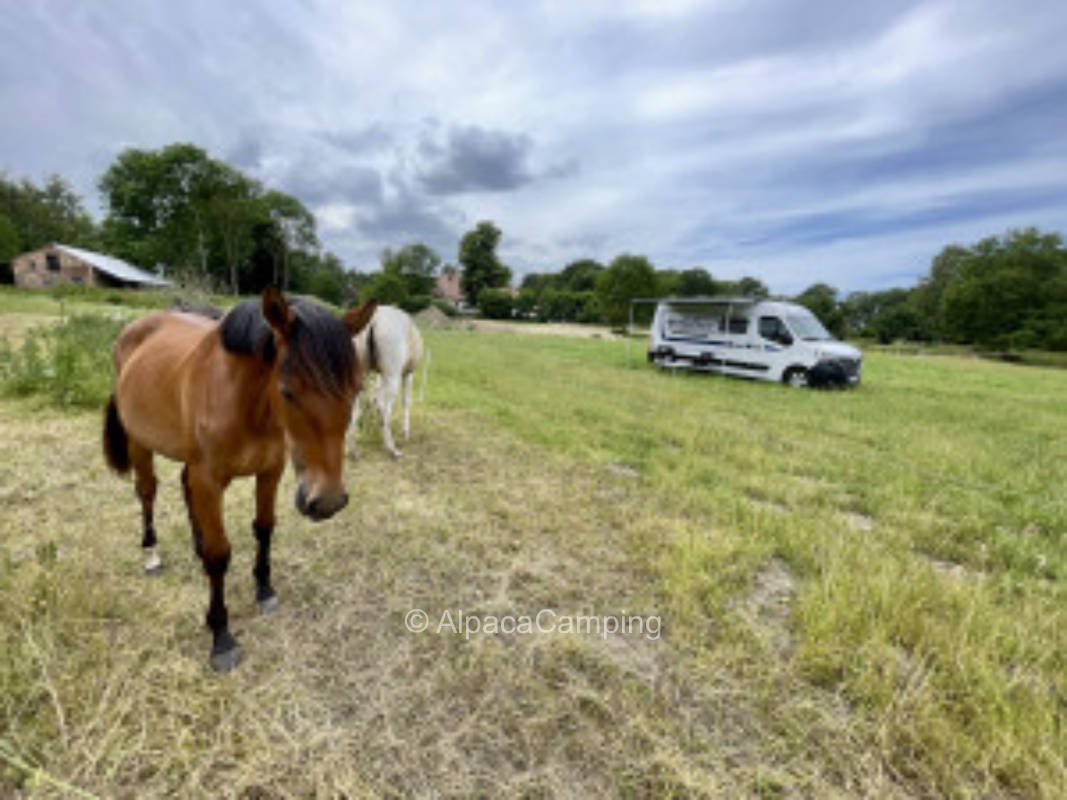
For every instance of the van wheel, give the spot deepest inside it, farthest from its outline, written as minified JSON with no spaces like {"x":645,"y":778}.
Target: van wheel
{"x":796,"y":376}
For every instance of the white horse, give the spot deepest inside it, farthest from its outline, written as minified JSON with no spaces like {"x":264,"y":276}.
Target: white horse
{"x":391,"y":345}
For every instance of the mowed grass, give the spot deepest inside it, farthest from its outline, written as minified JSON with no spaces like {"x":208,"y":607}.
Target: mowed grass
{"x":862,"y":594}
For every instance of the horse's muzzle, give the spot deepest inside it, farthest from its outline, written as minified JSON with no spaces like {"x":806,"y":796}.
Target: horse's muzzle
{"x":319,"y":508}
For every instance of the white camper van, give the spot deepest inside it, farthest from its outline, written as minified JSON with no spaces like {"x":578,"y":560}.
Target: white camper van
{"x":763,"y":339}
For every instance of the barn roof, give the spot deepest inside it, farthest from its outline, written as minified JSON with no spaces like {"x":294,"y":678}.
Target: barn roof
{"x":115,"y":267}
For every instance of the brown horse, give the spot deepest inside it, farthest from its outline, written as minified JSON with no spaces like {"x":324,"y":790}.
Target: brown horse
{"x":227,"y":398}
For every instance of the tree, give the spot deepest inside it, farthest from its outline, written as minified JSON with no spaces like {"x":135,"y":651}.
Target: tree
{"x":696,"y":282}
{"x":416,"y":264}
{"x":388,"y":288}
{"x":495,"y":303}
{"x":159,"y":206}
{"x":667,"y":281}
{"x":752,"y":287}
{"x":580,"y":275}
{"x":1008,"y":291}
{"x":235,"y":212}
{"x":627,"y":277}
{"x":206,"y":220}
{"x":481,"y":267}
{"x":525,"y":302}
{"x":41,"y":215}
{"x":10,"y":243}
{"x":329,"y":280}
{"x":292,"y":227}
{"x":821,"y":300}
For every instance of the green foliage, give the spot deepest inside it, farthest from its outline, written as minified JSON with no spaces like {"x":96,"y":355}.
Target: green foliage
{"x":696,"y":282}
{"x":1008,"y":292}
{"x":561,"y":305}
{"x":414,"y":303}
{"x":10,"y":242}
{"x":69,"y":364}
{"x":496,"y":303}
{"x":526,"y":302}
{"x":887,"y":316}
{"x":629,"y":276}
{"x":667,"y":282}
{"x":416,"y":264}
{"x":749,"y":287}
{"x":444,"y":306}
{"x":821,"y":300}
{"x":481,"y":267}
{"x":579,"y":276}
{"x":40,"y":215}
{"x":207,"y":221}
{"x":327,"y":279}
{"x":388,"y":288}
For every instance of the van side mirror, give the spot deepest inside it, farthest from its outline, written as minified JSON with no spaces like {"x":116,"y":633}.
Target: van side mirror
{"x":784,"y":338}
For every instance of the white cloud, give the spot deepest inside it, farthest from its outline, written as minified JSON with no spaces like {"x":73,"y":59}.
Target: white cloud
{"x":688,"y":128}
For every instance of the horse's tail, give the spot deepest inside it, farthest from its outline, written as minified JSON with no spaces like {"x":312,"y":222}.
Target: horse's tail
{"x":425,"y":375}
{"x":116,"y":443}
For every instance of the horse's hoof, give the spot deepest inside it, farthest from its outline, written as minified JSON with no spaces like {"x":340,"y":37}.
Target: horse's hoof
{"x":226,"y":660}
{"x":154,"y":571}
{"x":268,"y":605}
{"x":395,"y":453}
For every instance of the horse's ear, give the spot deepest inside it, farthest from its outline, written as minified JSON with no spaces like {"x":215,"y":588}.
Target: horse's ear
{"x":276,"y":310}
{"x":356,"y":319}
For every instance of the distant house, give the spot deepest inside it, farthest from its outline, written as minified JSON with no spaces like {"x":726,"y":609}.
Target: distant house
{"x":448,"y":288}
{"x":60,"y":263}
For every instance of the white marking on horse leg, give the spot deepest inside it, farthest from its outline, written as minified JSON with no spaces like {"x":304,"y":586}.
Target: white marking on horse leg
{"x":152,"y":561}
{"x":408,"y":380}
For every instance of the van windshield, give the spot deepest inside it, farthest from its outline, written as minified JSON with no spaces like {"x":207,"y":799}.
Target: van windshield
{"x":808,"y":328}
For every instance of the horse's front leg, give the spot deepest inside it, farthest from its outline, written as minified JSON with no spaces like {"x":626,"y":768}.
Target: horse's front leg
{"x":263,"y":527}
{"x":203,"y":497}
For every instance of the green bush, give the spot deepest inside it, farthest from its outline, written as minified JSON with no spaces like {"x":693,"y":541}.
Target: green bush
{"x":69,"y":364}
{"x":496,"y":303}
{"x":447,"y":307}
{"x":415,"y":303}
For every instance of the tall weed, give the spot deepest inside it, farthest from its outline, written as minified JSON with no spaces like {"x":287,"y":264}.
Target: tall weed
{"x":69,"y":364}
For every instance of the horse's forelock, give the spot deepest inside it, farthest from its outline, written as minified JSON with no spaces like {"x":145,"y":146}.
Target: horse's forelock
{"x":320,"y":349}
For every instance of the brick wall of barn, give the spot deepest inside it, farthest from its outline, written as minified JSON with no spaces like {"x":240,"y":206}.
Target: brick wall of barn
{"x":48,"y":266}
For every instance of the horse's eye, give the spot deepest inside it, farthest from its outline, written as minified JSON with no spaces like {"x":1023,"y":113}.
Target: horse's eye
{"x":287,"y":395}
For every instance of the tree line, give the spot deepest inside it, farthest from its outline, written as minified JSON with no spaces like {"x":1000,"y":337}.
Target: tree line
{"x":200,"y":221}
{"x":1005,"y":292}
{"x":178,"y":212}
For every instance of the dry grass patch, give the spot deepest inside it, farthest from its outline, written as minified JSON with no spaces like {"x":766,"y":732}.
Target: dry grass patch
{"x":104,"y":670}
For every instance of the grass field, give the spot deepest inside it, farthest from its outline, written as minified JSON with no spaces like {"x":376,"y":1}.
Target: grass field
{"x":861,"y":594}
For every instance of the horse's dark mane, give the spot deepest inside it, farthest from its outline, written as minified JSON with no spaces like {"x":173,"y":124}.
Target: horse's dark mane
{"x":319,"y":349}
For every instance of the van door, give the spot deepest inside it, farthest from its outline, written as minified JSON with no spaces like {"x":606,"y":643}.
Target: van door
{"x":775,"y":341}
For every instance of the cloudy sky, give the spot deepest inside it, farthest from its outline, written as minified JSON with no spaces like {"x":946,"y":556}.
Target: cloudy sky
{"x":797,"y":141}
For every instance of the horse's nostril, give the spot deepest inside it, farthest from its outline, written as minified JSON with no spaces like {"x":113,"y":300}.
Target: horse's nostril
{"x":313,"y":508}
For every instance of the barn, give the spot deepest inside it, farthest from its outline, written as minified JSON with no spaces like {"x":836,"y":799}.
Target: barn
{"x":60,"y":263}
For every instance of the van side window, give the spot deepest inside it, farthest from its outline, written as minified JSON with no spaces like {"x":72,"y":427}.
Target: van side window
{"x":738,"y":324}
{"x":774,"y":329}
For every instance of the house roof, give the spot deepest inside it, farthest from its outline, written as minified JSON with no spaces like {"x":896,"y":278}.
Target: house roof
{"x":115,"y":267}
